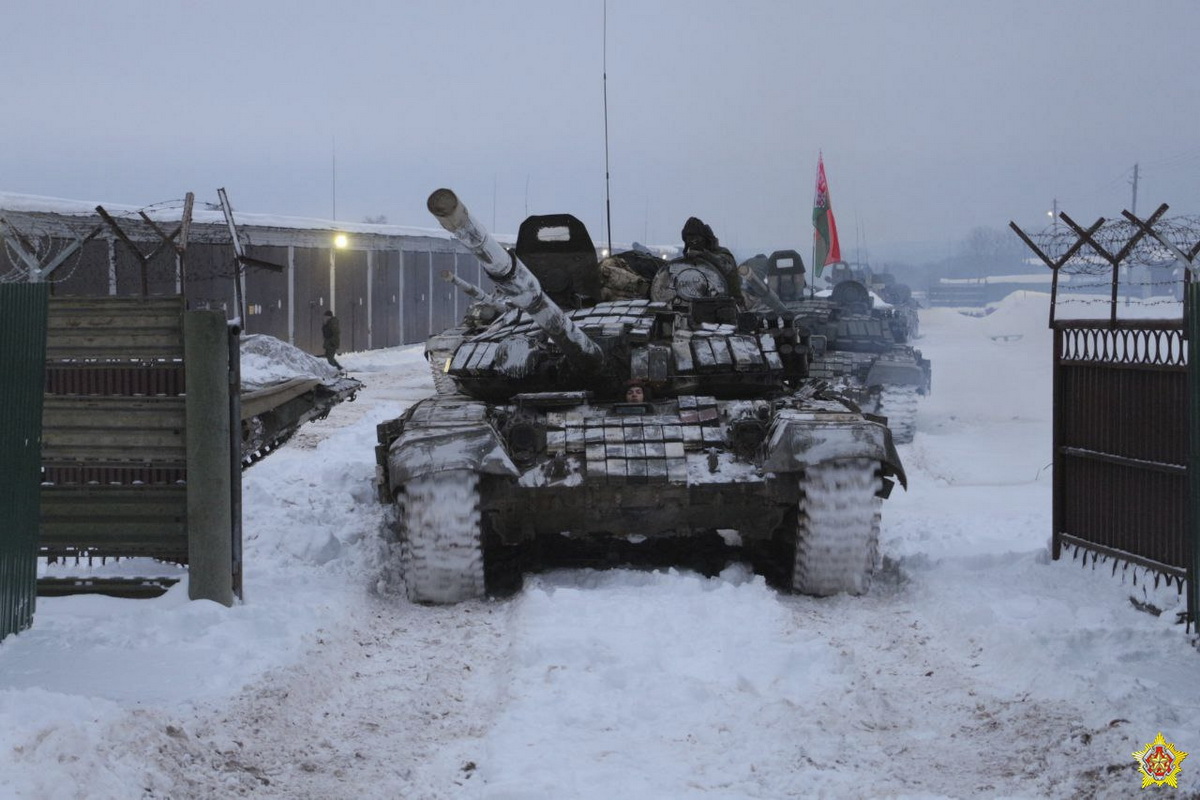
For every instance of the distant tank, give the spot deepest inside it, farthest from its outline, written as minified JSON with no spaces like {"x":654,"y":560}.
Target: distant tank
{"x":861,"y":348}
{"x":623,"y":423}
{"x":906,"y":321}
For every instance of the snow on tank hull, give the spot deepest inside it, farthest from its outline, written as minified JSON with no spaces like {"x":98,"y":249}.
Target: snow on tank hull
{"x":549,"y":466}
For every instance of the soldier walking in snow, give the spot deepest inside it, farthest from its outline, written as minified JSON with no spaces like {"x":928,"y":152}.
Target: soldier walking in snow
{"x":331,"y":334}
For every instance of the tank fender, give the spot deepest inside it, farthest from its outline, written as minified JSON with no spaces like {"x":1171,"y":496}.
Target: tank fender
{"x":898,"y":373}
{"x":476,"y":447}
{"x":798,"y":439}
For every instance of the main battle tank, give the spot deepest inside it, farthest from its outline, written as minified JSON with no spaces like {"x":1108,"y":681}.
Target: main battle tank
{"x":899,"y":296}
{"x":861,"y":348}
{"x":644,"y":420}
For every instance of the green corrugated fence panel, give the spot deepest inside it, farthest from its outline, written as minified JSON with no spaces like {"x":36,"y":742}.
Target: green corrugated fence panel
{"x":23,"y":312}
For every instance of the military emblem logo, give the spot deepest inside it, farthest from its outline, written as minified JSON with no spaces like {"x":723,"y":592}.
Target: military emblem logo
{"x":1158,"y":763}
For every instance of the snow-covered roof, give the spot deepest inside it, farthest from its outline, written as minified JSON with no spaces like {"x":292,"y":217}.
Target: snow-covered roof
{"x":204,"y":213}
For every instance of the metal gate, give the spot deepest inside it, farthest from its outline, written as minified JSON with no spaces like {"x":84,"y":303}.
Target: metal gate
{"x":1121,"y":443}
{"x":23,"y":309}
{"x":1124,"y":404}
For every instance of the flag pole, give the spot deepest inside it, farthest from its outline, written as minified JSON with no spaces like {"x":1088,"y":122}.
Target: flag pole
{"x":812,"y":287}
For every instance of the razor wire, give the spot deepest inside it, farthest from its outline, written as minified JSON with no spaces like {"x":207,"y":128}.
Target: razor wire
{"x":1057,"y":238}
{"x":32,"y":236}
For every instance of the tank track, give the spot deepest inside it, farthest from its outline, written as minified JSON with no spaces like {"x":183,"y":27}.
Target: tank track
{"x":442,"y":382}
{"x":837,"y":529}
{"x":440,"y":533}
{"x":899,"y":405}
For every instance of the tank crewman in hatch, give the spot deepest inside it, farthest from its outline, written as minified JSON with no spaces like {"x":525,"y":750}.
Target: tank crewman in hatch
{"x":700,"y":242}
{"x":331,"y":335}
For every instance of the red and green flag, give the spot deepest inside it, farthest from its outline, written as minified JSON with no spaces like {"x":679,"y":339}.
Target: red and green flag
{"x":826,"y":249}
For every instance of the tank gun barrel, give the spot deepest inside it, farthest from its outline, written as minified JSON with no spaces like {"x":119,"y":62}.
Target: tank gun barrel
{"x":513,"y":279}
{"x":756,"y":287}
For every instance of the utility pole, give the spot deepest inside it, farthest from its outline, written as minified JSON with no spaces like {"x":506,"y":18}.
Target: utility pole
{"x":1135,"y":183}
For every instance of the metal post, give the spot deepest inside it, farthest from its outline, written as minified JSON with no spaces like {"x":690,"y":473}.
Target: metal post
{"x":400,"y":298}
{"x":333,"y":279}
{"x":291,"y":293}
{"x":1057,"y":474}
{"x":370,"y":297}
{"x":1191,"y":304}
{"x":233,"y":339}
{"x":209,"y":487}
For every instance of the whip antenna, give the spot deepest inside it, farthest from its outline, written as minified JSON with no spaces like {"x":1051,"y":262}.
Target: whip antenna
{"x":607,"y":198}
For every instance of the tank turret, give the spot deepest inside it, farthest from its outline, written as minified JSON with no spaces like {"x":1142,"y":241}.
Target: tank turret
{"x":689,"y":335}
{"x":514,"y":280}
{"x":580,"y":426}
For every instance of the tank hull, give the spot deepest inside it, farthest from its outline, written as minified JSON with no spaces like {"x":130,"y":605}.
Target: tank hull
{"x":676,"y":469}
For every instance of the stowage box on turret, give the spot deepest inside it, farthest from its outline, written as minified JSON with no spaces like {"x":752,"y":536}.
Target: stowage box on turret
{"x":662,"y":417}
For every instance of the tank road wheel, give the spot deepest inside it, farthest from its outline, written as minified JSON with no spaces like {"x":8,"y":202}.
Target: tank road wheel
{"x":899,"y":405}
{"x":441,"y":543}
{"x":837,"y":528}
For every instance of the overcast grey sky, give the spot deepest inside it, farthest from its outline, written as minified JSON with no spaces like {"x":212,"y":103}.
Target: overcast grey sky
{"x":934,"y":116}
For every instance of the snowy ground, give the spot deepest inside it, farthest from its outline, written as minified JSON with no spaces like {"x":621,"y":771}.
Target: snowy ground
{"x":977,"y":667}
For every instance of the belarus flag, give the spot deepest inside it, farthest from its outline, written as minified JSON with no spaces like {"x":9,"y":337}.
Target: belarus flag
{"x":826,"y":249}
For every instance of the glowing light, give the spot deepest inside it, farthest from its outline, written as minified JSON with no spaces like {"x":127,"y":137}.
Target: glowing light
{"x":340,"y":241}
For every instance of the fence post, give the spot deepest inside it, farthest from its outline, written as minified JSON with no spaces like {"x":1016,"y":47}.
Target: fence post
{"x":209,"y":481}
{"x":1191,"y":315}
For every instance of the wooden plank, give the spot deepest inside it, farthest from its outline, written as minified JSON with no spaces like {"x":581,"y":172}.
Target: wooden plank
{"x":113,"y":429}
{"x":107,"y":413}
{"x":120,"y":502}
{"x":92,"y":310}
{"x":121,"y":520}
{"x":118,"y":320}
{"x":115,"y":346}
{"x":115,"y":327}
